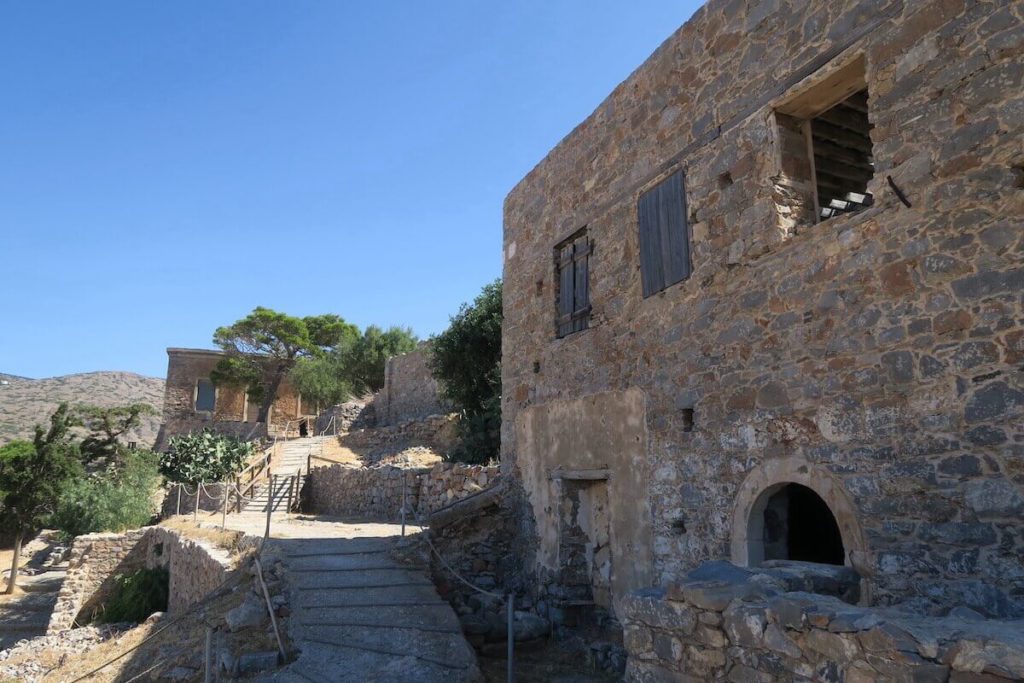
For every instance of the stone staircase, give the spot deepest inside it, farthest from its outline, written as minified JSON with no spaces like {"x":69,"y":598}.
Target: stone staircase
{"x":27,"y":615}
{"x":359,"y":615}
{"x":291,"y":458}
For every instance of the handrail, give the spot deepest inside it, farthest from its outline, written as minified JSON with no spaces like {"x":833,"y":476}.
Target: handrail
{"x":263,"y":463}
{"x":330,"y":424}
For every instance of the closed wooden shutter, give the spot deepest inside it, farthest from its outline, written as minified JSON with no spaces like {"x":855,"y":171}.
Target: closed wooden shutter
{"x":581,"y":291}
{"x":664,"y":235}
{"x":573,"y":263}
{"x":566,"y":287}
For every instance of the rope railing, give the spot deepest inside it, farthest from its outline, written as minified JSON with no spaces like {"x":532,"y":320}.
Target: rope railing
{"x":509,"y":599}
{"x":211,"y":662}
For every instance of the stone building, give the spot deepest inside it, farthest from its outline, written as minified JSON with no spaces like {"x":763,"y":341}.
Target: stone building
{"x":767,"y":302}
{"x":193,"y":403}
{"x":410,"y":391}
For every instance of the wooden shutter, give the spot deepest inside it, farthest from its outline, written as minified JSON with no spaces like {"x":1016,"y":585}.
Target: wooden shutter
{"x":664,"y":235}
{"x":581,"y":290}
{"x":566,"y":289}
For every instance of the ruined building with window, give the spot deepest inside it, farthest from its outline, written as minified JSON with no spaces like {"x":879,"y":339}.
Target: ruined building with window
{"x":767,"y":303}
{"x":192,"y":402}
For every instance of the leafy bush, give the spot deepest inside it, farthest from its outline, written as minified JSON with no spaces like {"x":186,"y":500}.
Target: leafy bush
{"x":113,"y":500}
{"x":204,"y":457}
{"x":466,"y":361}
{"x":136,"y":596}
{"x":354,"y":366}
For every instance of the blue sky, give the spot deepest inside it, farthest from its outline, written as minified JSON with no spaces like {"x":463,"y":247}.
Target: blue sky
{"x":168,"y":166}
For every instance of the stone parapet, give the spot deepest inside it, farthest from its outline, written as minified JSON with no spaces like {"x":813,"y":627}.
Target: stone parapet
{"x":376,"y":492}
{"x":724,"y":623}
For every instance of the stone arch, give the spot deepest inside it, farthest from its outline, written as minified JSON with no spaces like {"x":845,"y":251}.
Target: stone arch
{"x":771,"y":476}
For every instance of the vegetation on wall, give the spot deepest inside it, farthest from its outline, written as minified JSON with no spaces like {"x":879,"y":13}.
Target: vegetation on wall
{"x":204,"y":457}
{"x":355,"y":366}
{"x":265,"y":346}
{"x":466,"y":361}
{"x":136,"y":596}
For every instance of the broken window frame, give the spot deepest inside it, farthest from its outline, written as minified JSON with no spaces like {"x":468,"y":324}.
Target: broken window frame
{"x":195,"y":398}
{"x":838,"y":87}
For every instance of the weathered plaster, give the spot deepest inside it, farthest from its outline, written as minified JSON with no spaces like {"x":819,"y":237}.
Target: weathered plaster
{"x":604,"y":431}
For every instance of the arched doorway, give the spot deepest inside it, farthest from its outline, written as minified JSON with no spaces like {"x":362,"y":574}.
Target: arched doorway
{"x":790,"y":521}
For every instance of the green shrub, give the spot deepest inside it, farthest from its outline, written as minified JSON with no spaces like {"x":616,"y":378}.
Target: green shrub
{"x":465,"y":359}
{"x":204,"y":457}
{"x":136,"y":596}
{"x":113,"y":500}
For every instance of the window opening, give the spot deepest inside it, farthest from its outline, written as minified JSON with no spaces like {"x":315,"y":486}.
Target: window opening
{"x":843,"y":161}
{"x":206,"y":396}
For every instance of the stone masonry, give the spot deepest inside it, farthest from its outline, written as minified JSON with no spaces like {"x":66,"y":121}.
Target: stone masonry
{"x":875,"y":358}
{"x":195,"y":569}
{"x":376,"y":492}
{"x":233,"y":414}
{"x":410,"y":391}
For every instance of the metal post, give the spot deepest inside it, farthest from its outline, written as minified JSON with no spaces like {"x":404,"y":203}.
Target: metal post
{"x":208,"y":659}
{"x":291,"y":486}
{"x":405,"y":485}
{"x":225,"y":489}
{"x":195,"y":514}
{"x":177,"y":510}
{"x":511,"y":633}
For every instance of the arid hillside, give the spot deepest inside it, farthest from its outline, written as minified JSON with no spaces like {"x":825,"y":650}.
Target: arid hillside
{"x":26,"y":402}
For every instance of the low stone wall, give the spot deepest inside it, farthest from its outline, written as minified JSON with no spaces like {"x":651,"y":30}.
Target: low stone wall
{"x":376,"y":492}
{"x":724,"y":623}
{"x":436,"y":431}
{"x":196,"y":568}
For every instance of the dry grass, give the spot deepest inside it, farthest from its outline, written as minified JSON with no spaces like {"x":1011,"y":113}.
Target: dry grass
{"x":226,"y":539}
{"x":181,"y":643}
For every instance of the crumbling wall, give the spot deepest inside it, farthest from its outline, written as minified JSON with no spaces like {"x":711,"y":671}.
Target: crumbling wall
{"x":359,"y":414}
{"x":410,"y":390}
{"x":376,"y":492}
{"x":436,"y":431}
{"x":196,"y":568}
{"x":725,"y":624}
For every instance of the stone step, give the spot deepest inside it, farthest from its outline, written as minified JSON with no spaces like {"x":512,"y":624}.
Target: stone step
{"x":409,"y":594}
{"x":434,"y":615}
{"x":349,"y":579}
{"x":351,"y":663}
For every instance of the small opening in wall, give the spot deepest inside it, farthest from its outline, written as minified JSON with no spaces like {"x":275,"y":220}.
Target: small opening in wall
{"x":798,"y":525}
{"x":724,"y":180}
{"x":687,"y":417}
{"x":843,"y":160}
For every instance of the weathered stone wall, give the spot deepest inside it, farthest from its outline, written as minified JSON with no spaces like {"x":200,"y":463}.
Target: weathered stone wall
{"x":376,"y":492}
{"x":878,"y":353}
{"x":196,"y":568}
{"x":436,"y":431}
{"x":410,"y":390}
{"x":233,"y":414}
{"x":727,"y":625}
{"x":359,"y":414}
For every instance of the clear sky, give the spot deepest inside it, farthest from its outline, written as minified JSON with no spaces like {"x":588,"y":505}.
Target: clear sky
{"x":167,"y":166}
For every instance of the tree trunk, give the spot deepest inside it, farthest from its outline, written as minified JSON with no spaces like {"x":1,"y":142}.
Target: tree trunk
{"x":11,"y":582}
{"x":269,"y":397}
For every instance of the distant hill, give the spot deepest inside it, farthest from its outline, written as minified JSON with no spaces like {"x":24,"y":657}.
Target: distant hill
{"x":25,"y":402}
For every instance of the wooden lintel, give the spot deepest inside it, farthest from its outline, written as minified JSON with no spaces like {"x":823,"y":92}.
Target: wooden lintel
{"x":581,"y":475}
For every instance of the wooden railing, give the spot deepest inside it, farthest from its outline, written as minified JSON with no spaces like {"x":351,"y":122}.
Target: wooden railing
{"x":247,"y":479}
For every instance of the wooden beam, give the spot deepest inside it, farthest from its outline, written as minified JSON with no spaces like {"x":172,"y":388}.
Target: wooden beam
{"x":581,"y":475}
{"x":828,"y":91}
